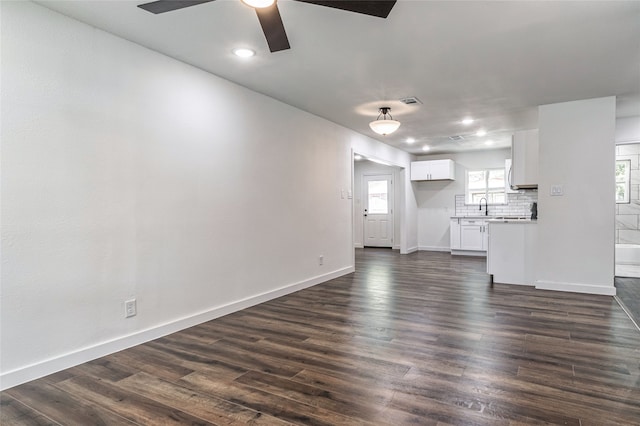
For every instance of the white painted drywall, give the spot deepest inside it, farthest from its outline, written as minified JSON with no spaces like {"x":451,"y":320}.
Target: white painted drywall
{"x":628,"y":130}
{"x":576,"y":230}
{"x":129,"y":174}
{"x":436,"y":199}
{"x":362,"y":168}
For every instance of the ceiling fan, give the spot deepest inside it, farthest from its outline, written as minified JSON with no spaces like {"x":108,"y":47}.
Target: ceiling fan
{"x":269,"y":15}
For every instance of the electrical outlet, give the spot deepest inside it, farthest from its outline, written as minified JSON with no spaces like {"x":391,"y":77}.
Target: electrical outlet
{"x":557,"y":190}
{"x":130,"y":308}
{"x":321,"y":260}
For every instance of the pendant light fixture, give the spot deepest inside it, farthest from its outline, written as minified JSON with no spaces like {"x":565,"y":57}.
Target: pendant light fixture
{"x":386,"y":125}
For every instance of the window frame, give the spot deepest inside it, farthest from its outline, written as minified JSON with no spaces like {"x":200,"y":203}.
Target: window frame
{"x":626,"y":181}
{"x":487,"y":189}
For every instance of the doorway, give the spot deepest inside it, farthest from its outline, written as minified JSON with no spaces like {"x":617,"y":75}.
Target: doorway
{"x":367,"y":169}
{"x":627,"y":231}
{"x":378,"y":210}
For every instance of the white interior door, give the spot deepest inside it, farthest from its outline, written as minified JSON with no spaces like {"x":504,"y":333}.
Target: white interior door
{"x":378,"y":211}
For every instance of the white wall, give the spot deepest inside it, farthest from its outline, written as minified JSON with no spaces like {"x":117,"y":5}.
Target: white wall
{"x":628,"y":130}
{"x":575,"y":231}
{"x":362,"y":168}
{"x":129,"y":174}
{"x":436,"y":199}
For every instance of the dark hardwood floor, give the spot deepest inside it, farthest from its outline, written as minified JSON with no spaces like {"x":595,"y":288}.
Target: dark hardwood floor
{"x":628,"y":291}
{"x":418,"y":339}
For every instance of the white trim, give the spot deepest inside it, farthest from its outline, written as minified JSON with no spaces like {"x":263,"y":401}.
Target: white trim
{"x":607,"y":290}
{"x":395,"y":247}
{"x":434,"y":248}
{"x":469,"y":253}
{"x":52,"y":365}
{"x":409,"y":250}
{"x":626,"y":311}
{"x":358,"y":245}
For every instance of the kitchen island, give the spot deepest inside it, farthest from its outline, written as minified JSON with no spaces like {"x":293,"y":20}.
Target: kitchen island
{"x":511,"y":251}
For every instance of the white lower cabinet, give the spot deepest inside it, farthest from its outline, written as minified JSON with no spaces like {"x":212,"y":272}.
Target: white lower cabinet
{"x":511,"y":254}
{"x":454,"y":233}
{"x":469,"y":235}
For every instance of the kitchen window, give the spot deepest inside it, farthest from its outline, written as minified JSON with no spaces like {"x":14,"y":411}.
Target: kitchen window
{"x":623,"y":182}
{"x":488,"y":183}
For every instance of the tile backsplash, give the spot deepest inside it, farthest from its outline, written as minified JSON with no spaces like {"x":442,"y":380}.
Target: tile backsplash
{"x":518,"y":204}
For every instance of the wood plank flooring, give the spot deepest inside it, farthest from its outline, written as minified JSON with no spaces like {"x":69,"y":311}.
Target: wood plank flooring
{"x":417,"y":339}
{"x":628,"y":291}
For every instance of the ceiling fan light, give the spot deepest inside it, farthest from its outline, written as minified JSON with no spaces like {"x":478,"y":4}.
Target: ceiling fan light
{"x":259,"y":4}
{"x":384,"y":127}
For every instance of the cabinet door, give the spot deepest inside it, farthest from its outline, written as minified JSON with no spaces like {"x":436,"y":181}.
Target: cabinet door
{"x":471,"y":237}
{"x":485,"y":236}
{"x":454,"y":232}
{"x":440,"y":169}
{"x":419,"y":170}
{"x":524,"y":153}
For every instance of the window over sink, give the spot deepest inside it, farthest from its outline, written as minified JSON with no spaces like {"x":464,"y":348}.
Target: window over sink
{"x":487,"y":183}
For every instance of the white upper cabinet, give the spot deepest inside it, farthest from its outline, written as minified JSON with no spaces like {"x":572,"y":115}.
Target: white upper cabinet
{"x":433,"y":170}
{"x":524,"y":156}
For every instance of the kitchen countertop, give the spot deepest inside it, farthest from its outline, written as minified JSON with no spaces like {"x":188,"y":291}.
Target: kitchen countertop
{"x":498,"y":219}
{"x":511,"y":220}
{"x":472,"y":217}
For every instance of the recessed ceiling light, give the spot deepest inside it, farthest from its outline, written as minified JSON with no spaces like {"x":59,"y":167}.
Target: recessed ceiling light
{"x":410,"y":140}
{"x":243,"y":52}
{"x":489,"y":142}
{"x":480,"y":133}
{"x":467,"y":121}
{"x":426,"y":148}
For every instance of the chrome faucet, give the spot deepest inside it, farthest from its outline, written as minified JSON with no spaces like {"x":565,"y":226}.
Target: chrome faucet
{"x":486,"y":206}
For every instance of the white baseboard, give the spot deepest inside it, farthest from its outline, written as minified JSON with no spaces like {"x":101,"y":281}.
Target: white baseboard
{"x":607,"y":290}
{"x":409,"y":250}
{"x":34,"y":371}
{"x":358,"y":245}
{"x":433,"y":248}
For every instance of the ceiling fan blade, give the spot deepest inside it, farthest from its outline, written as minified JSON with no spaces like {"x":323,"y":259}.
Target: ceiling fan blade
{"x":162,"y":6}
{"x":273,"y":28}
{"x":379,"y":8}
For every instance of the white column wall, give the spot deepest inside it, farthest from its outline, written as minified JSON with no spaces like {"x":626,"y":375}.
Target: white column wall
{"x":129,"y":174}
{"x":576,"y":230}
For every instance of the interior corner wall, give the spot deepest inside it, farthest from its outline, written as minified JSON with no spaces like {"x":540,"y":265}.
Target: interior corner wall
{"x":436,"y":199}
{"x":127,"y":174}
{"x":576,"y":230}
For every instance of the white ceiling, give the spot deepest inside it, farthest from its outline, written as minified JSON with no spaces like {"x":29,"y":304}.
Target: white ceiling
{"x":495,"y":61}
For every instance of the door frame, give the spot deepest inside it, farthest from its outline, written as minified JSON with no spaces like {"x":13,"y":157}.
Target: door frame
{"x":402,"y":185}
{"x":391,"y":203}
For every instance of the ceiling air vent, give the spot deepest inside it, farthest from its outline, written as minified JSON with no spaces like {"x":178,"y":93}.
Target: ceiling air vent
{"x":456,"y":138}
{"x":411,"y":100}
